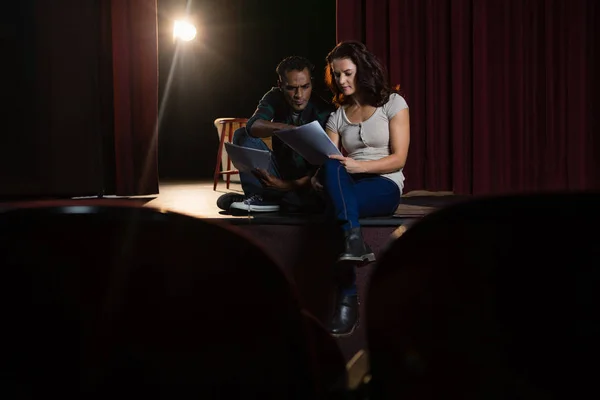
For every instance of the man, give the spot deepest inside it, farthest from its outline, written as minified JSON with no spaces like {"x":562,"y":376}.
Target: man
{"x":287,"y":181}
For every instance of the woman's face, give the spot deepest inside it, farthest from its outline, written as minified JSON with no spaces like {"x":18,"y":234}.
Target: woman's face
{"x":344,"y":72}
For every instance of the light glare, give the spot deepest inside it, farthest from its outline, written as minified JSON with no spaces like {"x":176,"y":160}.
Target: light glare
{"x":184,"y":30}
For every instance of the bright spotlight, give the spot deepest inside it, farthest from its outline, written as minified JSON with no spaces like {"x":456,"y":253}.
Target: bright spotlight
{"x":184,"y":31}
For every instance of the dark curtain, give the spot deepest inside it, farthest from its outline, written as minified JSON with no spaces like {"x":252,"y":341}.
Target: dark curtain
{"x":134,"y":51}
{"x":500,"y":91}
{"x":82,"y":94}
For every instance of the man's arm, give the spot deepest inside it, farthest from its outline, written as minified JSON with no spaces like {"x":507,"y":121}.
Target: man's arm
{"x":260,"y":125}
{"x":262,"y":128}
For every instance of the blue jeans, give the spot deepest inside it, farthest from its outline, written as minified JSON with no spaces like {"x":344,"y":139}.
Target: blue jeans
{"x":250,"y":184}
{"x":358,"y":195}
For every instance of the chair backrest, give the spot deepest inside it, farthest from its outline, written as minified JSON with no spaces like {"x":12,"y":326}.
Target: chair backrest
{"x":100,"y":300}
{"x":235,"y":123}
{"x":226,"y":125}
{"x":495,"y":298}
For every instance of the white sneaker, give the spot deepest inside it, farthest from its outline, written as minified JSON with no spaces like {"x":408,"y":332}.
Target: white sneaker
{"x":226,"y":200}
{"x":255,"y":203}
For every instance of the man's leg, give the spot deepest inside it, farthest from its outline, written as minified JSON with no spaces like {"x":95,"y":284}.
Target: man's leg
{"x":250,"y":184}
{"x":256,"y":197}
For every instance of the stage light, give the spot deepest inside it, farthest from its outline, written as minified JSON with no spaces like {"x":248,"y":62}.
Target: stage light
{"x":184,"y":31}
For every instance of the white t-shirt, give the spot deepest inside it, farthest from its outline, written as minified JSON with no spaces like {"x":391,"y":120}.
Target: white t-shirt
{"x":370,"y":139}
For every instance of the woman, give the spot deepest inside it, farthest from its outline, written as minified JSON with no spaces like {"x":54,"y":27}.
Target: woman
{"x":372,"y":124}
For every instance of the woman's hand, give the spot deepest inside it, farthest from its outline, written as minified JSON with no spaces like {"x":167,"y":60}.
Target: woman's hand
{"x":352,"y":166}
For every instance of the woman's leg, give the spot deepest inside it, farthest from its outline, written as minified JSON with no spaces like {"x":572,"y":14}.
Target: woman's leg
{"x":339,"y":187}
{"x":376,"y":196}
{"x":353,"y":197}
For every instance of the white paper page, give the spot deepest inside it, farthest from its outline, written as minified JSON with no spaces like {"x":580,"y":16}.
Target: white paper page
{"x":245,"y":159}
{"x":310,"y":141}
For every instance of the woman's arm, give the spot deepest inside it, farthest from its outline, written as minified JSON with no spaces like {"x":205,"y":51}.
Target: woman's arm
{"x":335,"y":138}
{"x":399,"y":141}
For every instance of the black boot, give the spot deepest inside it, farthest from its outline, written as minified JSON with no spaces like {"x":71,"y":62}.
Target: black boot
{"x":345,"y":316}
{"x":355,"y":248}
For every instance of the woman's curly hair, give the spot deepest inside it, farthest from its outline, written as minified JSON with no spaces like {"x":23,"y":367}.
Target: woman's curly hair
{"x":371,"y":77}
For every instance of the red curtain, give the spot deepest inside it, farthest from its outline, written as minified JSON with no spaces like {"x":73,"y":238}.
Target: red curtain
{"x":500,"y":91}
{"x":86,"y":99}
{"x":134,"y":52}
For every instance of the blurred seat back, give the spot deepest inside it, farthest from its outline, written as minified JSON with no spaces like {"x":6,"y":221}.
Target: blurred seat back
{"x":100,"y":301}
{"x":492,"y":299}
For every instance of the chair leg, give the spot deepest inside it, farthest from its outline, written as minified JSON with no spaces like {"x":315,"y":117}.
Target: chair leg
{"x":230,"y":136}
{"x":218,"y":166}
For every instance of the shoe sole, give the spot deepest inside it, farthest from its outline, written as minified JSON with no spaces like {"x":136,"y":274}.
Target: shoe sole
{"x":224,"y":203}
{"x":367,"y":258}
{"x":255,"y":208}
{"x":346,"y":334}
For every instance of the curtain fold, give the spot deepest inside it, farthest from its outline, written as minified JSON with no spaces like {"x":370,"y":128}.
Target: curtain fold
{"x":499,"y":91}
{"x":134,"y":51}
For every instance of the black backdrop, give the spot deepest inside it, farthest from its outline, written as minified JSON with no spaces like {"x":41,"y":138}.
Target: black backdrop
{"x":226,"y":70}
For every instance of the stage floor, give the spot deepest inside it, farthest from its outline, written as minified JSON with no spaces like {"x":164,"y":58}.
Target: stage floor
{"x":195,"y":198}
{"x":198,"y":199}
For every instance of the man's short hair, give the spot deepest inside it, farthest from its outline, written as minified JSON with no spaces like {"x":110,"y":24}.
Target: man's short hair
{"x":293,"y":63}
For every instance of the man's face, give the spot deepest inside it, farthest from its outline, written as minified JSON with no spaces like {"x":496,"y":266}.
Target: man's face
{"x":297,"y":87}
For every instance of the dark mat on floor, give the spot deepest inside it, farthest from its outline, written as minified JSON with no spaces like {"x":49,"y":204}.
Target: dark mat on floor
{"x":412,"y":207}
{"x":435,"y":201}
{"x":280,"y":218}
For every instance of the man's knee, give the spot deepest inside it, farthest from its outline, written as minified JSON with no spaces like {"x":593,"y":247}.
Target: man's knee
{"x":242,"y":138}
{"x":240,"y":135}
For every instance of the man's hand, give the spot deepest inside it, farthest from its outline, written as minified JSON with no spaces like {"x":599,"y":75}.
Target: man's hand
{"x":316,"y":185}
{"x":352,"y":166}
{"x":270,"y":181}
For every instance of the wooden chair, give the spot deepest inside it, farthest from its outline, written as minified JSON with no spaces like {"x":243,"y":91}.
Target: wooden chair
{"x":225,"y":128}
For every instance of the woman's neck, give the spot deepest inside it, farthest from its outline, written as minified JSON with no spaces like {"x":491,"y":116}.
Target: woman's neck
{"x":355,"y":101}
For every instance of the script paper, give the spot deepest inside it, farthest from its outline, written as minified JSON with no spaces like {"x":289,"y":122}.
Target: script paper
{"x":310,"y":141}
{"x":246,"y":159}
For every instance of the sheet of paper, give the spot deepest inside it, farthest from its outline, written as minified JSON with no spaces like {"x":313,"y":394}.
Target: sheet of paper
{"x":310,"y":141}
{"x":245,"y":159}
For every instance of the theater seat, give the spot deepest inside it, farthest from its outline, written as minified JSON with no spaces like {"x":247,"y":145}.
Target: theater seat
{"x":112,"y":299}
{"x":496,"y":298}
